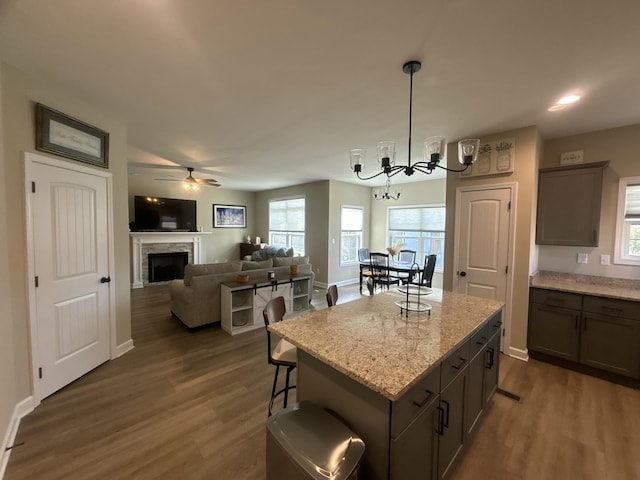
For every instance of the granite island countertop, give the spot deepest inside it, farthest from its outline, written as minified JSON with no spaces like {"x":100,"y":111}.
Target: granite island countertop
{"x":619,"y":288}
{"x":371,"y":342}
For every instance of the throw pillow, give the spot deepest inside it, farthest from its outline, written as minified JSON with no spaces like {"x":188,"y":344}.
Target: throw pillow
{"x":290,"y":252}
{"x":259,"y":255}
{"x":281,"y":253}
{"x":257,"y":265}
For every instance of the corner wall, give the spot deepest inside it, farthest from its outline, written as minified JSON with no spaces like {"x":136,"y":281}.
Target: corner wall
{"x":525,"y":175}
{"x":620,"y":147}
{"x":18,"y":92}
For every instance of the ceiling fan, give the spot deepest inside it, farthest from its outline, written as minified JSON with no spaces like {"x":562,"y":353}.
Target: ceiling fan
{"x":191,"y":183}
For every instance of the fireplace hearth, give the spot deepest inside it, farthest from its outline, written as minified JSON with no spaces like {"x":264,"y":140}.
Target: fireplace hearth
{"x":167,"y":266}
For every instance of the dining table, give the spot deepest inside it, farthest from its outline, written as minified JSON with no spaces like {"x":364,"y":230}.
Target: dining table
{"x":392,"y":267}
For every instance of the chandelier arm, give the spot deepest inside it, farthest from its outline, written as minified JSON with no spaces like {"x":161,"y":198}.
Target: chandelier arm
{"x":369,"y":178}
{"x":422,"y":169}
{"x":453,"y":169}
{"x":396,"y":170}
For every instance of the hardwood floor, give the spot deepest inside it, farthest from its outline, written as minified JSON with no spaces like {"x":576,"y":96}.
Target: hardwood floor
{"x":192,"y":405}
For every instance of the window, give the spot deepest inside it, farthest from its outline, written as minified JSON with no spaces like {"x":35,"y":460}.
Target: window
{"x":286,"y":223}
{"x":628,"y":222}
{"x":420,"y":229}
{"x":351,"y":221}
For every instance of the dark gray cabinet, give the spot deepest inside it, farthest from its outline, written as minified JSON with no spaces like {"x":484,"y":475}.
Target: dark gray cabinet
{"x":598,"y":332}
{"x":609,"y":341}
{"x":413,"y":453}
{"x":569,"y":201}
{"x":452,"y":436}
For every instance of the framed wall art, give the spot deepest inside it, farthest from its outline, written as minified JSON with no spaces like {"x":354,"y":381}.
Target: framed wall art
{"x":63,"y":135}
{"x":229,"y":216}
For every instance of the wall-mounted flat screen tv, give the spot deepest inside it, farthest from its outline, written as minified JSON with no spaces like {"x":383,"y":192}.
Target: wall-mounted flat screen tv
{"x":154,"y":214}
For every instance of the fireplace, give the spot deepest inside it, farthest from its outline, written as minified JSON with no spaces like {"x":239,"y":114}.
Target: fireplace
{"x":167,"y":266}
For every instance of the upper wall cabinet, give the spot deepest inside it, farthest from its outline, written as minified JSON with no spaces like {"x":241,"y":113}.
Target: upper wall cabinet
{"x":569,"y":205}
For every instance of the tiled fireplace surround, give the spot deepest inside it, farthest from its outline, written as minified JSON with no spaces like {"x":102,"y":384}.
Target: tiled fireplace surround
{"x":144,"y":243}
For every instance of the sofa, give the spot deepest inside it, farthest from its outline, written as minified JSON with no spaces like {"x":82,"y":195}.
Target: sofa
{"x":196,"y":299}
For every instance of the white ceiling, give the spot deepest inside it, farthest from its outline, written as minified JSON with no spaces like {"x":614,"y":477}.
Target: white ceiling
{"x":265,"y":94}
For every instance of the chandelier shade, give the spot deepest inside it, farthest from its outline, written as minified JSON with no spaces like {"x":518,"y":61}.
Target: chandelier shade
{"x":434,"y":148}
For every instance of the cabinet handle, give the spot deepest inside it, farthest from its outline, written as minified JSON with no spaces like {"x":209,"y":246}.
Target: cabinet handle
{"x":460,"y":364}
{"x":445,"y":423}
{"x":440,"y":427}
{"x":489,"y":363}
{"x":425,"y":401}
{"x":595,"y":236}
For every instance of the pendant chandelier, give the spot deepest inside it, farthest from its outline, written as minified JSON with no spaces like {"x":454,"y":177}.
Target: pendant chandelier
{"x":387,"y":193}
{"x":434,"y":148}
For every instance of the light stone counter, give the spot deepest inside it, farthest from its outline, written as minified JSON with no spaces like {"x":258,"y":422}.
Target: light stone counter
{"x":619,"y":288}
{"x":371,"y":342}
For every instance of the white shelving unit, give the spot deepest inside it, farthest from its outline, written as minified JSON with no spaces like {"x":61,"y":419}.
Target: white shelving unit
{"x":242,"y":303}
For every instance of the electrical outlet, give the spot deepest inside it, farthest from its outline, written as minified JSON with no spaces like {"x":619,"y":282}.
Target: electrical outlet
{"x":605,"y":259}
{"x":583,"y":258}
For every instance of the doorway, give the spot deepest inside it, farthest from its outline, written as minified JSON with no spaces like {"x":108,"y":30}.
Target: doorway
{"x":484,"y":245}
{"x":69,"y":245}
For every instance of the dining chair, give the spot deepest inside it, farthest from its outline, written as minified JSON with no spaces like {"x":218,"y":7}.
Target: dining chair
{"x":407,"y":257}
{"x":380,"y":270}
{"x":283,"y":354}
{"x":332,"y":295}
{"x":427,"y":273}
{"x":365,"y":265}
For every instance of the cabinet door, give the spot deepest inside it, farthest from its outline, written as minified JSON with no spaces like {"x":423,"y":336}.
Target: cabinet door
{"x":611,"y":344}
{"x":491,"y":367}
{"x":451,"y":439}
{"x":413,"y":453}
{"x":475,"y":391}
{"x":569,"y":206}
{"x":554,"y":331}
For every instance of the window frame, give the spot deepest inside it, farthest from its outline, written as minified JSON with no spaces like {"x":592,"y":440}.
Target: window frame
{"x":621,"y":241}
{"x":359,"y":235}
{"x":289,"y":233}
{"x":421,"y":233}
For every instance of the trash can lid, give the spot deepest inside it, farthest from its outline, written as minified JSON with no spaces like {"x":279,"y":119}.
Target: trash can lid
{"x":317,"y":441}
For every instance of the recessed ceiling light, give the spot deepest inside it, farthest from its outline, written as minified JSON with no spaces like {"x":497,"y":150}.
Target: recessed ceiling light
{"x":567,"y":99}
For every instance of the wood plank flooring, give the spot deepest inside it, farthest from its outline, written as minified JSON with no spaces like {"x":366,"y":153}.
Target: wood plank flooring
{"x":192,"y":405}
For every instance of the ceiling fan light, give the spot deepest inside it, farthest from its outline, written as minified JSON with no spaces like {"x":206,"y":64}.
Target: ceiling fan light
{"x":468,"y":150}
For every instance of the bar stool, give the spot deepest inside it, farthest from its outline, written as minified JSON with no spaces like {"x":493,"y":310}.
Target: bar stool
{"x":283,"y":354}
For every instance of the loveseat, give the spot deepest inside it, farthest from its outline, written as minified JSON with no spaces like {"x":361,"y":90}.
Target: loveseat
{"x":195,"y":300}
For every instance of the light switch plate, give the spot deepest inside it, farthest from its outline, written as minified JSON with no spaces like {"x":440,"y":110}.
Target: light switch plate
{"x":605,"y":259}
{"x":583,"y":257}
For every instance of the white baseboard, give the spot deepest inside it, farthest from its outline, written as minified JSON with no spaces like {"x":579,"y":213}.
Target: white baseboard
{"x":519,"y":354}
{"x":21,"y":409}
{"x":124,"y":348}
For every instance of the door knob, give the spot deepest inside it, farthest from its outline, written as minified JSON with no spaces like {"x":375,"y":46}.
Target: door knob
{"x":463,"y":274}
{"x":105,"y":280}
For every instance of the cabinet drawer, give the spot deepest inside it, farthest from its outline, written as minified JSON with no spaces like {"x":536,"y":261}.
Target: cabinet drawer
{"x":478,"y":341}
{"x":409,"y":406}
{"x":494,"y":325}
{"x":453,"y":364}
{"x":557,"y":299}
{"x":612,"y":307}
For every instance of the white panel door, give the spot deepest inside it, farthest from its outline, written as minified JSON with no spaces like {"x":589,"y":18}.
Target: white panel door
{"x":483,"y":248}
{"x":70,"y":251}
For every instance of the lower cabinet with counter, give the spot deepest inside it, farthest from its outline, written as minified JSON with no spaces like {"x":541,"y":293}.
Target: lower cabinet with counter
{"x":600,"y":333}
{"x":424,"y":433}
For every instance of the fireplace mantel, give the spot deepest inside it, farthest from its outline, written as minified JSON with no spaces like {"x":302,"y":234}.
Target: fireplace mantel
{"x":141,"y":238}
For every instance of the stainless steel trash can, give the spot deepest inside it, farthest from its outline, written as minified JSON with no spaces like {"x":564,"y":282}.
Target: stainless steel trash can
{"x":306,"y":442}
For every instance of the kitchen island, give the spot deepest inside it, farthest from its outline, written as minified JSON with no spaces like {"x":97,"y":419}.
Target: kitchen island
{"x":412,"y":387}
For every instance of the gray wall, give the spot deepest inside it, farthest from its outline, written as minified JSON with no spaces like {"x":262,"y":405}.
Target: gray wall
{"x":620,"y":147}
{"x":222,"y":244}
{"x":17,"y":93}
{"x":317,"y":204}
